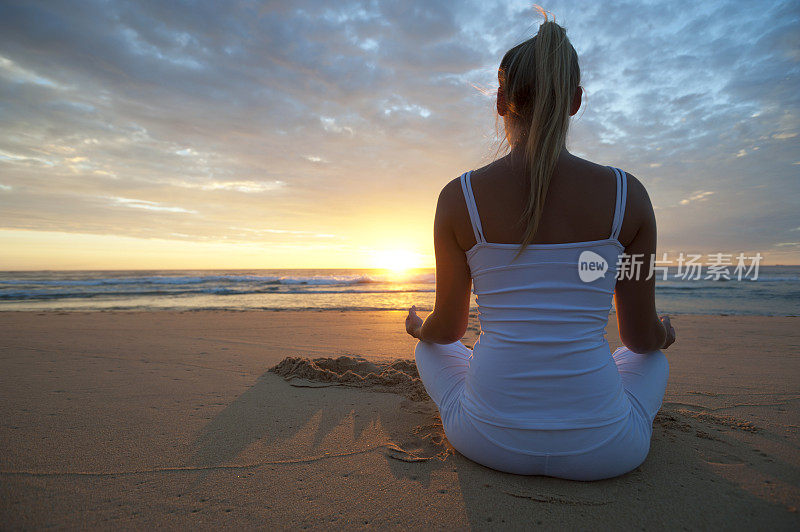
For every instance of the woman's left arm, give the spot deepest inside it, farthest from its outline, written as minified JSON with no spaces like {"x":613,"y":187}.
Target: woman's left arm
{"x":448,"y":321}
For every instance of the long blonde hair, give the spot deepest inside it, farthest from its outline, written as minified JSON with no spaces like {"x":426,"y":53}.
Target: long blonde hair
{"x":539,"y":78}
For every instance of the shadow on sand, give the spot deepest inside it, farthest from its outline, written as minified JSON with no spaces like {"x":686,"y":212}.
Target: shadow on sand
{"x":696,"y":464}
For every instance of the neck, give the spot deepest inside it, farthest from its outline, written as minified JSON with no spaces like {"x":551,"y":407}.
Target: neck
{"x":517,"y":153}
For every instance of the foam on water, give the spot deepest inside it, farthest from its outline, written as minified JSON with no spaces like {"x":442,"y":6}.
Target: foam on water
{"x":775,"y":292}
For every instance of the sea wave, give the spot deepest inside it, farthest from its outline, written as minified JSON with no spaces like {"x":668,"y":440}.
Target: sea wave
{"x":28,"y":295}
{"x":775,"y":292}
{"x":320,"y":280}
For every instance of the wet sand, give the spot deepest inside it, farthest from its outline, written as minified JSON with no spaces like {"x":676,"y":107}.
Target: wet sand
{"x":173,"y":419}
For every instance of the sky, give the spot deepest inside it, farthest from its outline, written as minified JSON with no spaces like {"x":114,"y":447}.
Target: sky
{"x":316,"y":134}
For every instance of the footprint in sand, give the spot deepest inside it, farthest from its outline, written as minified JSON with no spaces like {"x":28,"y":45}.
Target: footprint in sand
{"x":426,"y":442}
{"x":717,"y":457}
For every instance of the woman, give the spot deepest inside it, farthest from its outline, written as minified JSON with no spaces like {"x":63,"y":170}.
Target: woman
{"x":540,"y":393}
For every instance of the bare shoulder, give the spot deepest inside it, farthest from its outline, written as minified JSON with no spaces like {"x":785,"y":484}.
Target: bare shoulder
{"x":452,"y":217}
{"x":638,"y":201}
{"x":451,"y":197}
{"x":639,"y":215}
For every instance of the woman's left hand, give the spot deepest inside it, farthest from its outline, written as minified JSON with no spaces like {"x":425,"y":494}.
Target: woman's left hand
{"x":413,"y":322}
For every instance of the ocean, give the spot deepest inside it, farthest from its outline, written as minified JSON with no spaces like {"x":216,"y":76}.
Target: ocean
{"x":776,"y":291}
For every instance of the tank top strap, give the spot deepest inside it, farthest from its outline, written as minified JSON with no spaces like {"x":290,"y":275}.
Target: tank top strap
{"x":472,"y":208}
{"x":619,"y":206}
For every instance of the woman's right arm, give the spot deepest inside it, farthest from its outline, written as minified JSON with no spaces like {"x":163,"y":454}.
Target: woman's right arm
{"x":640,"y":328}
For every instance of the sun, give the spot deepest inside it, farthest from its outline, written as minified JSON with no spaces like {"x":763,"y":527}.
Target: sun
{"x":395,"y":260}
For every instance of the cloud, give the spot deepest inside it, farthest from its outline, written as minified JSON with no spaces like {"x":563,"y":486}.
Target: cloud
{"x":149,"y":205}
{"x":238,"y":186}
{"x":284,"y":232}
{"x":700,"y":195}
{"x":330,"y":124}
{"x":316,"y":116}
{"x":16,"y":74}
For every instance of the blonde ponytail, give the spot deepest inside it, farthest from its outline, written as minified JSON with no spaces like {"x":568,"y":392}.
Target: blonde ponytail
{"x":539,"y":79}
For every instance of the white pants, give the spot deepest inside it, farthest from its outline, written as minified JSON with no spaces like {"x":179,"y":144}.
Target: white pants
{"x":613,"y":450}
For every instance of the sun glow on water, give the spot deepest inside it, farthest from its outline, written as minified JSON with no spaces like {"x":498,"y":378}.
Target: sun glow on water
{"x":396,"y":261}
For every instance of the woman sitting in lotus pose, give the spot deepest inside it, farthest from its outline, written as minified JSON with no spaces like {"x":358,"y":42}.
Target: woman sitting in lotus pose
{"x":540,"y":233}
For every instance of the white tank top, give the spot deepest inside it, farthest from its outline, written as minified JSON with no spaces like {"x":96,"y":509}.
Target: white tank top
{"x":542,"y":360}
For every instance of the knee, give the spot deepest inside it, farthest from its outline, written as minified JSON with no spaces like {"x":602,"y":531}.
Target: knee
{"x":656,"y":364}
{"x":422,"y":354}
{"x":420,"y":350}
{"x":656,"y":369}
{"x":426,"y":349}
{"x":659,"y":362}
{"x":655,"y":360}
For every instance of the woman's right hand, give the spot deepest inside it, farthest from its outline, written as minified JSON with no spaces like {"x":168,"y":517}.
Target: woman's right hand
{"x":670,"y":332}
{"x":413,"y":322}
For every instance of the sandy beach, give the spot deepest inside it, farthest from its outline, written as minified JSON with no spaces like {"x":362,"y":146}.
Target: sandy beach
{"x":171,"y":419}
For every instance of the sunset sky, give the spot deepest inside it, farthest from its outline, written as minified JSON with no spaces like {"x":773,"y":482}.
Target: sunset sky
{"x":318,"y":134}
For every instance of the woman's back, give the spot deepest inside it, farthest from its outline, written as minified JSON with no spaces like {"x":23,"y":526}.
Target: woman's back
{"x":579,"y":206}
{"x":542,"y":360}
